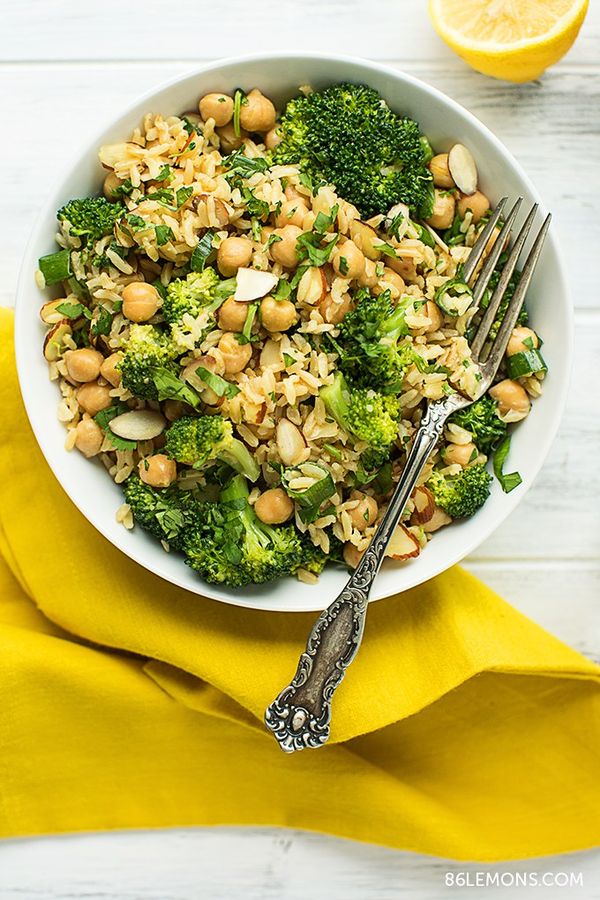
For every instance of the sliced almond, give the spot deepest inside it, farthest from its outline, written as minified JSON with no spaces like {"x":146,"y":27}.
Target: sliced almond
{"x":271,"y":356}
{"x":252,"y":284}
{"x":463,"y":169}
{"x":437,"y":521}
{"x":111,"y":155}
{"x":399,"y":209}
{"x":254,"y":413}
{"x":192,"y":116}
{"x":424,"y":506}
{"x":220,"y":209}
{"x":54,"y":344}
{"x":403,"y":544}
{"x":138,"y":425}
{"x":312,"y":287}
{"x":365,"y":237}
{"x":49,"y":314}
{"x":290,"y":443}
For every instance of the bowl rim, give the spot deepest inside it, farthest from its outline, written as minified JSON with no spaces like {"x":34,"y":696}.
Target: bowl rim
{"x":24,"y":283}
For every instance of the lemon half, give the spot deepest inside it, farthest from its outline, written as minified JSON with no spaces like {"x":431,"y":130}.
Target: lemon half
{"x":511,"y":39}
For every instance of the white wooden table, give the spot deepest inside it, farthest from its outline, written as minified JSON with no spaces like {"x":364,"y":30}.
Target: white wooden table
{"x":65,"y":68}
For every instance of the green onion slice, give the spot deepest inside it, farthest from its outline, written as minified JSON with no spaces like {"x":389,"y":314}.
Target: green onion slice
{"x":201,"y":252}
{"x":250,"y":317}
{"x":220,"y":386}
{"x":511,"y":480}
{"x":237,"y":106}
{"x":424,"y":235}
{"x":454,"y":297}
{"x":525,"y":363}
{"x":311,"y":498}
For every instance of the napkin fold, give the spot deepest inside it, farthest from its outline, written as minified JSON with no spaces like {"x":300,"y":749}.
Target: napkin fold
{"x":462,"y":729}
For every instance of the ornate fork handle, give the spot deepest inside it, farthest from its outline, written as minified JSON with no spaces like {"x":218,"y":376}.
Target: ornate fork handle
{"x":300,"y":716}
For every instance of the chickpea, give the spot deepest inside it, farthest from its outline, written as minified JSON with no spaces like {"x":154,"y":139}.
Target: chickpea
{"x":516,"y":342}
{"x":236,"y":356}
{"x":277,"y":315}
{"x":229,"y":140}
{"x":274,"y":507}
{"x":333,"y":312}
{"x":158,"y":470}
{"x":352,"y":555}
{"x":83,"y":365}
{"x":140,"y":301}
{"x":109,"y":370}
{"x":478,"y":203}
{"x":348,"y":261}
{"x":404,"y":267}
{"x":257,"y":113}
{"x":462,"y":454}
{"x":440,"y":171}
{"x":272,"y":138}
{"x":365,"y":513}
{"x":291,"y":212}
{"x":218,"y":107}
{"x":444,"y":206}
{"x":234,"y":253}
{"x":369,"y":278}
{"x":88,"y":437}
{"x":284,"y":251}
{"x":512,"y":398}
{"x":396,"y":281}
{"x":433,"y":312}
{"x":232,"y":315}
{"x":94,"y":397}
{"x":111,"y":183}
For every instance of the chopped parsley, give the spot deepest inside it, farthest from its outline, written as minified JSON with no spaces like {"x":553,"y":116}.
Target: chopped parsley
{"x":163,"y":234}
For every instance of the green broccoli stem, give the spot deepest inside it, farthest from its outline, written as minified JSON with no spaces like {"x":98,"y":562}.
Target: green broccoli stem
{"x":395,"y":325}
{"x":239,"y":458}
{"x":235,"y":496}
{"x":336,"y":398}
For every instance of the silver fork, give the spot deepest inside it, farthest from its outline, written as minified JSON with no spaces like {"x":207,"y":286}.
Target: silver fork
{"x":300,"y":715}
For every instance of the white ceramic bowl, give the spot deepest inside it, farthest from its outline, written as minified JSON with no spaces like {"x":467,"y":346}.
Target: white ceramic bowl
{"x":444,"y":122}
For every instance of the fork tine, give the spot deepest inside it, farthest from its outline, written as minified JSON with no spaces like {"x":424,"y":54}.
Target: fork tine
{"x":500,"y":343}
{"x":496,"y":298}
{"x":492,"y":259}
{"x":481,"y":242}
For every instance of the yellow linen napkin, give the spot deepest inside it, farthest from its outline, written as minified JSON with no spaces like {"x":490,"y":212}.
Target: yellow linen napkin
{"x":461,"y":730}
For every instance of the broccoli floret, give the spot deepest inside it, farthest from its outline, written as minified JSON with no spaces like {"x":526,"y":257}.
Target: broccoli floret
{"x":91,"y":217}
{"x":198,"y":440}
{"x":364,"y":413}
{"x":196,"y":293}
{"x":481,"y":419}
{"x":315,"y":560}
{"x":346,"y":135}
{"x":147,"y":350}
{"x":165,"y":512}
{"x":463,"y":494}
{"x":230,"y":545}
{"x":371,"y":351}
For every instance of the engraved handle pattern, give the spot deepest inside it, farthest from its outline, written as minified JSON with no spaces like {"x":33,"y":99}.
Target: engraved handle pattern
{"x":301,"y":714}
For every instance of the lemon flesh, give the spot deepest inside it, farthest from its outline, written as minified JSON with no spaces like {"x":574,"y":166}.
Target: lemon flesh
{"x":511,"y":39}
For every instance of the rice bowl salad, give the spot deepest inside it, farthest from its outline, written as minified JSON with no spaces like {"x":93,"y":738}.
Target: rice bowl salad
{"x":251,"y":317}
